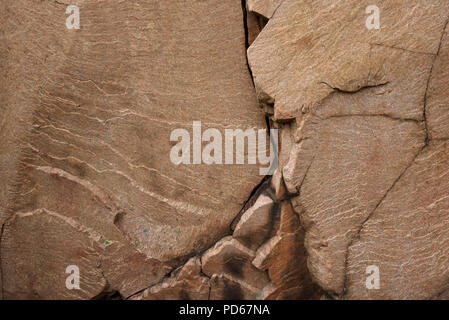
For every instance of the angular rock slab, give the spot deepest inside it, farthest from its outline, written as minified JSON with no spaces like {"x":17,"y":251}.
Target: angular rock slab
{"x":233,"y":260}
{"x":407,"y":236}
{"x":39,"y":272}
{"x":101,"y":103}
{"x":265,"y":8}
{"x":226,"y":287}
{"x":344,"y":166}
{"x":285,"y":259}
{"x":310,"y":49}
{"x":186,"y":283}
{"x":255,"y":224}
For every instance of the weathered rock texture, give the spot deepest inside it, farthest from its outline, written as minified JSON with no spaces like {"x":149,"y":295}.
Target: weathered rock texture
{"x":87,"y":117}
{"x":367,"y":111}
{"x":270,"y":265}
{"x":85,"y":171}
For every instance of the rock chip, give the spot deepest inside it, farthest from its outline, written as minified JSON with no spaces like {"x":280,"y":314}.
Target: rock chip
{"x":186,"y":283}
{"x":255,"y":224}
{"x":232,"y":259}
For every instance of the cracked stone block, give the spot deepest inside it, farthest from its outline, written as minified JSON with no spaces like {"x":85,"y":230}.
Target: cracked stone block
{"x":363,"y":116}
{"x":310,"y":49}
{"x":438,"y":93}
{"x":226,"y":287}
{"x":287,"y":269}
{"x":86,"y":122}
{"x":285,"y":259}
{"x":185,"y":283}
{"x":344,"y":167}
{"x":255,"y":224}
{"x":232,"y":259}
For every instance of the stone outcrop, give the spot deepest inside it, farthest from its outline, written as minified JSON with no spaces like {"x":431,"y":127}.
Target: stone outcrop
{"x":368,"y":160}
{"x":87,"y":118}
{"x":86,"y":178}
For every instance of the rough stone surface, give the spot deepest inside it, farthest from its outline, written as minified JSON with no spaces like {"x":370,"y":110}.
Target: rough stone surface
{"x":407,"y":235}
{"x":265,"y":8}
{"x":186,"y":283}
{"x":362,"y":178}
{"x":351,"y":163}
{"x":86,"y":120}
{"x":254,"y":225}
{"x":310,"y":49}
{"x":232,"y":258}
{"x":363,"y":122}
{"x":225,"y":287}
{"x":284,"y":257}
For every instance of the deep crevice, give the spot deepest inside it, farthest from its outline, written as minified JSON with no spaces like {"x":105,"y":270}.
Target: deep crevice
{"x":361,"y":88}
{"x":2,"y":229}
{"x":383,"y":115}
{"x":428,"y":82}
{"x":245,"y":27}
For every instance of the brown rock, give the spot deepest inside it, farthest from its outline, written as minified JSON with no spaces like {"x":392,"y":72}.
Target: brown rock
{"x":270,"y":292}
{"x":254,"y":24}
{"x":40,"y":273}
{"x":289,"y":219}
{"x":255,"y":224}
{"x":277,"y":183}
{"x":226,"y":287}
{"x":185,"y":283}
{"x":265,"y":8}
{"x":88,"y":116}
{"x":437,"y":103}
{"x":86,"y":178}
{"x":284,"y":257}
{"x":344,"y":166}
{"x":309,"y":50}
{"x":232,"y":259}
{"x":406,"y":236}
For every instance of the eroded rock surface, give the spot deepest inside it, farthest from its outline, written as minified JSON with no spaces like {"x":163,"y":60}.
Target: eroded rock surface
{"x":407,"y":235}
{"x":186,"y":283}
{"x":367,"y":109}
{"x":86,"y":120}
{"x":85,"y":171}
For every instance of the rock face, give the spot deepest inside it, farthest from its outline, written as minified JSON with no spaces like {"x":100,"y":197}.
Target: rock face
{"x":247,"y":268}
{"x":357,"y":209}
{"x":368,"y":162}
{"x":87,"y":118}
